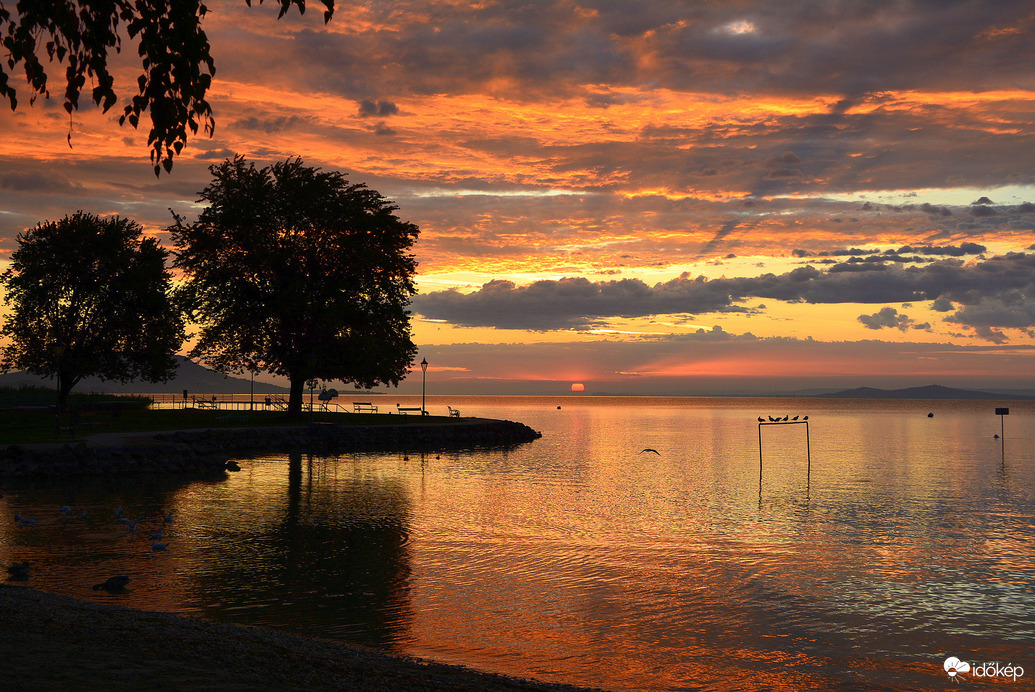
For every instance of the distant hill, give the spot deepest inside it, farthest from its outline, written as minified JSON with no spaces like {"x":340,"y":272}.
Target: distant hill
{"x":931,"y":391}
{"x":195,"y":378}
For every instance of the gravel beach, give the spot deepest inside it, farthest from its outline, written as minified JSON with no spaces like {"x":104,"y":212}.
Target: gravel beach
{"x":53,"y":642}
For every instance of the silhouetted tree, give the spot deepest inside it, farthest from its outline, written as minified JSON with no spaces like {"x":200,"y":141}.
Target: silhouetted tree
{"x":301,"y":271}
{"x":90,"y":296}
{"x":174,"y":53}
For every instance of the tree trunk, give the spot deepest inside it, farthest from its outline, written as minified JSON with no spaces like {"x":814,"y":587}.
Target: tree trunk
{"x":65,"y":384}
{"x":295,"y":398}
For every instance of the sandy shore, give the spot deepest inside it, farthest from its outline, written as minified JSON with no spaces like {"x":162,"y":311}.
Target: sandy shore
{"x":52,"y":642}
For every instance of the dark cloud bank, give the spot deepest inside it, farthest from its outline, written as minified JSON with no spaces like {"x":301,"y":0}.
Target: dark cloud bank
{"x":987,"y":295}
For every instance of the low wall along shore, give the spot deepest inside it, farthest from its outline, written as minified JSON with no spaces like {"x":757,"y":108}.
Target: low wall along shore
{"x":206,"y":451}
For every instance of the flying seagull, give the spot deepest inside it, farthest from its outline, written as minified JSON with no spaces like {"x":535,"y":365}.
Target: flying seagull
{"x":648,"y":449}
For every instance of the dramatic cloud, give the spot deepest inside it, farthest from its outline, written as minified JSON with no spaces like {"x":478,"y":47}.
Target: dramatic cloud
{"x":999,"y":292}
{"x":890,"y":317}
{"x":669,"y":158}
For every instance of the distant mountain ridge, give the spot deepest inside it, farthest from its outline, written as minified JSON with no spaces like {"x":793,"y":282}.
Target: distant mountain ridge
{"x":196,"y":379}
{"x":931,"y":391}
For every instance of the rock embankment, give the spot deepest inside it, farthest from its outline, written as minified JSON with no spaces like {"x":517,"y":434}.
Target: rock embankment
{"x":208,"y":451}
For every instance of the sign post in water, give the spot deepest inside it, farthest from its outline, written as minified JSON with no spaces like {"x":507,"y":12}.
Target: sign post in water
{"x":1002,"y":413}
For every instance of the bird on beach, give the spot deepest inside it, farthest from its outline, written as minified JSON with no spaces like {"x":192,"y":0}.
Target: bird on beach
{"x":112,"y":584}
{"x":648,"y":449}
{"x":169,"y":517}
{"x":66,"y":510}
{"x":131,"y":524}
{"x":118,"y":513}
{"x":19,"y":570}
{"x":23,"y":521}
{"x":156,"y":546}
{"x":156,"y":535}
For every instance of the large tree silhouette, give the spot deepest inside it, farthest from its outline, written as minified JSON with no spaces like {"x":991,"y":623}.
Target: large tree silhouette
{"x":174,"y":54}
{"x":90,"y":296}
{"x":300,"y":271}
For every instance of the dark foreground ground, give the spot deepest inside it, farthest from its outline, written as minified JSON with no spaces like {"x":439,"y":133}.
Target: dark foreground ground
{"x":50,"y":642}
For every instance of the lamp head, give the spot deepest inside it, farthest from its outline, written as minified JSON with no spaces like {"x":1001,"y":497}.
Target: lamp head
{"x":424,"y":365}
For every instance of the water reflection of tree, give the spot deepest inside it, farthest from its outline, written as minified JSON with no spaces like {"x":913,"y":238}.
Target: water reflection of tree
{"x":331,"y":562}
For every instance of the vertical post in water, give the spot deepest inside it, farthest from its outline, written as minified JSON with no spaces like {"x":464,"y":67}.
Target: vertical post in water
{"x":1002,"y":413}
{"x":808,"y":451}
{"x":759,"y":457}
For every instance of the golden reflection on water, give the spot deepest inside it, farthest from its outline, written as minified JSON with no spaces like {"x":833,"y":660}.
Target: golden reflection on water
{"x":579,"y":558}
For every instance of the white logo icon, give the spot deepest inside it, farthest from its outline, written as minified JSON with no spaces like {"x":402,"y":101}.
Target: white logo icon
{"x":953,"y":666}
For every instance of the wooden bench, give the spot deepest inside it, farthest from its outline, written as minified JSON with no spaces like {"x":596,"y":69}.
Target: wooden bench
{"x":361,"y":406}
{"x":407,"y":410}
{"x":453,"y":412}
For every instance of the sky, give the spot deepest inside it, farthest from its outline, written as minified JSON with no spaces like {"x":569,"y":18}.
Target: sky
{"x":699,"y":197}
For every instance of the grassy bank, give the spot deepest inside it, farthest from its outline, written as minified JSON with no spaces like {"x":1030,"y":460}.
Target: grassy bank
{"x":26,"y":425}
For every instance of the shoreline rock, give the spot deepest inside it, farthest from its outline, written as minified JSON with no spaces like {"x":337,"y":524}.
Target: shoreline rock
{"x":208,"y":451}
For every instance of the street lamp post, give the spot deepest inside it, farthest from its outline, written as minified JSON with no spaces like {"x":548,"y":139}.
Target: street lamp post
{"x":423,"y":385}
{"x":59,"y":353}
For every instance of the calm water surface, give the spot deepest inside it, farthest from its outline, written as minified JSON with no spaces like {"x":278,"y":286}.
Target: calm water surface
{"x":578,"y":558}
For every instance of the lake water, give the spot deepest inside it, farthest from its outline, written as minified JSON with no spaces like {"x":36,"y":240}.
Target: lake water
{"x":861,"y":559}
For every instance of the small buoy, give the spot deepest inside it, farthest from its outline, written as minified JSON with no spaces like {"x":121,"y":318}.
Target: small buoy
{"x":930,"y":415}
{"x":558,"y":408}
{"x":996,"y":436}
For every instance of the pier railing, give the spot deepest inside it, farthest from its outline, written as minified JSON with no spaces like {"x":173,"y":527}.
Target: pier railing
{"x":238,"y":402}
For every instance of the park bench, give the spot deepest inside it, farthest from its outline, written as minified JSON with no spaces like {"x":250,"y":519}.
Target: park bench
{"x":407,"y":410}
{"x":363,"y":406}
{"x":453,"y":412}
